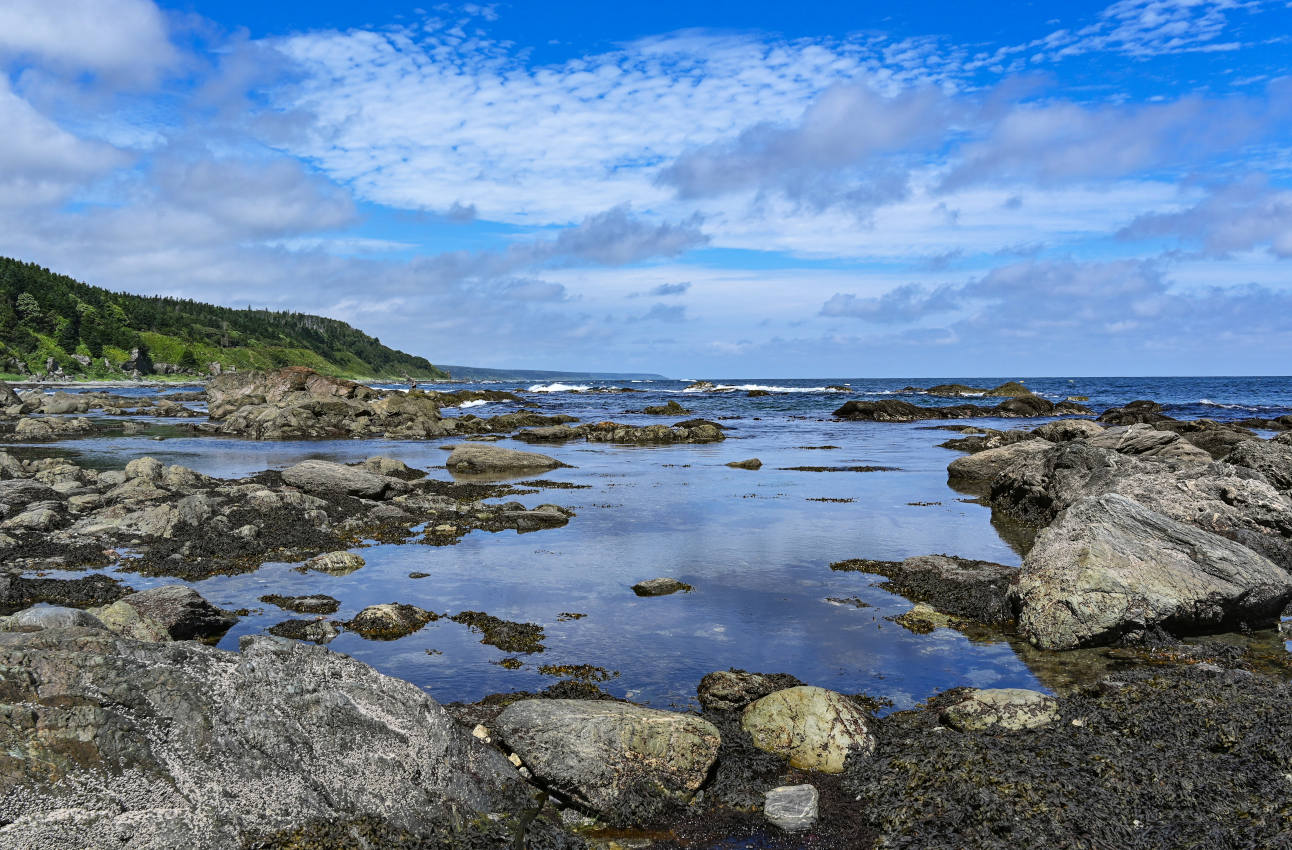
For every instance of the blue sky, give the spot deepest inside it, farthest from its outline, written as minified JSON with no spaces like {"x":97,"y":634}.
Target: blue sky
{"x":695,"y":189}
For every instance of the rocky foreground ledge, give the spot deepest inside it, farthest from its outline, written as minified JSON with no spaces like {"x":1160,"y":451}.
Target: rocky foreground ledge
{"x":111,"y":741}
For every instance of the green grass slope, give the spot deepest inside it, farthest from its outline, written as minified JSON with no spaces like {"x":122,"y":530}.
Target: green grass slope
{"x":91,"y":332}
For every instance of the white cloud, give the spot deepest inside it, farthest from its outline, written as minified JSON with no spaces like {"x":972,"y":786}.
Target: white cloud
{"x":122,"y":41}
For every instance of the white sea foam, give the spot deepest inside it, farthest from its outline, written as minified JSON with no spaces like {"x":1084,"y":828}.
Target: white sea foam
{"x":474,"y":403}
{"x":558,"y":388}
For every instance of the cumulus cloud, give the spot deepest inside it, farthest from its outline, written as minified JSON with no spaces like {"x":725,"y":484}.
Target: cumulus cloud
{"x":122,"y":41}
{"x":1238,"y":217}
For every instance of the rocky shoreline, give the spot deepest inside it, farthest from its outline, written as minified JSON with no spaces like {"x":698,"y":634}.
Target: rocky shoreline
{"x":123,"y":727}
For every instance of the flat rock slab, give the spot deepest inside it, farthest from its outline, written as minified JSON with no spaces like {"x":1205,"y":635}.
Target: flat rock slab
{"x":815,"y":728}
{"x":323,"y":477}
{"x":478,"y":459}
{"x":979,"y":470}
{"x":1002,"y":709}
{"x":622,"y":760}
{"x":791,"y":807}
{"x":164,"y":745}
{"x":1109,"y":566}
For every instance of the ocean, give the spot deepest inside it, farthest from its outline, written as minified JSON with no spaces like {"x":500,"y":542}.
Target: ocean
{"x":756,"y":546}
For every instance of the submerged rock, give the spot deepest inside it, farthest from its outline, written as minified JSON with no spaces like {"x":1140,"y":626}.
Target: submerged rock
{"x":1001,"y":709}
{"x":752,"y":463}
{"x":626,"y":762}
{"x":507,"y":635}
{"x":660,"y":587}
{"x":1110,"y":567}
{"x":960,"y":587}
{"x":814,"y":728}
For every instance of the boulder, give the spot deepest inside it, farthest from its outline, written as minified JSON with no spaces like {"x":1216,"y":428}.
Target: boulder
{"x":1064,"y":430}
{"x":792,"y":808}
{"x":50,"y":617}
{"x":325,"y":478}
{"x":1109,"y":568}
{"x":977,"y":471}
{"x":181,"y":611}
{"x":481,"y":459}
{"x":334,"y":563}
{"x":1135,"y":413}
{"x":815,"y":728}
{"x":390,"y":621}
{"x":112,"y":742}
{"x":318,"y":630}
{"x":752,"y":463}
{"x":313,"y":604}
{"x":126,"y":620}
{"x":623,"y":761}
{"x":1215,"y":438}
{"x":8,"y":398}
{"x":1001,"y":709}
{"x":729,"y":690}
{"x":1148,"y":442}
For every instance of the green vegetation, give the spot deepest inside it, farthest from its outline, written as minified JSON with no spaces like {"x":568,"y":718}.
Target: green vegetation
{"x":92,"y":333}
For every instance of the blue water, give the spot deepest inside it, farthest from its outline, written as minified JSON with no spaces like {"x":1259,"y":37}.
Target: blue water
{"x":756,"y":546}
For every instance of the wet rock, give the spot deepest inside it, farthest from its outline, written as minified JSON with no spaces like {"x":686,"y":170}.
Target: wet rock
{"x":1146,"y":441}
{"x":1217,"y":439}
{"x":476,"y":459}
{"x":334,"y":563}
{"x":660,"y":587}
{"x":978,"y":471}
{"x":792,"y":808}
{"x":181,"y":611}
{"x":33,"y":429}
{"x":1109,"y":567}
{"x":895,"y":410}
{"x":815,"y":728}
{"x":325,"y":478}
{"x":626,"y":762}
{"x":730,"y":690}
{"x":155,"y":745}
{"x":670,"y":409}
{"x":960,"y":587}
{"x":17,"y":592}
{"x":751,"y":463}
{"x":690,"y":431}
{"x":991,"y":439}
{"x":1067,"y":429}
{"x":144,"y":468}
{"x":314,"y":604}
{"x":507,"y":635}
{"x":390,"y":621}
{"x":391,"y":468}
{"x":49,"y":617}
{"x":1134,"y":413}
{"x":1001,"y":709}
{"x":318,"y":630}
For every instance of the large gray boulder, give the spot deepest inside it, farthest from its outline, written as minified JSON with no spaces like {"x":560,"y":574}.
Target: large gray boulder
{"x":1063,"y":430}
{"x":1001,"y":710}
{"x":181,"y":611}
{"x":977,"y":471}
{"x":115,"y":743}
{"x":325,"y":478}
{"x":1272,"y":459}
{"x":481,"y":459}
{"x":624,"y":761}
{"x":1110,"y":567}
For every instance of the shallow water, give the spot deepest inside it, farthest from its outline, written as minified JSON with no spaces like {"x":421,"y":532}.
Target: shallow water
{"x":755,"y":545}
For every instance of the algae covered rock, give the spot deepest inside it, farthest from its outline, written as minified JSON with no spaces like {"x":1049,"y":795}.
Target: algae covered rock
{"x":478,"y":459}
{"x":181,"y":611}
{"x":660,"y":587}
{"x":727,"y":690}
{"x":390,"y":621}
{"x":622,"y":760}
{"x":1003,"y":709}
{"x":334,"y":563}
{"x":815,"y":728}
{"x":325,"y":478}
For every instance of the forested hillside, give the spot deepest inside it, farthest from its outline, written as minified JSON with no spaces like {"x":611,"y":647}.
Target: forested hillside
{"x":91,"y":332}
